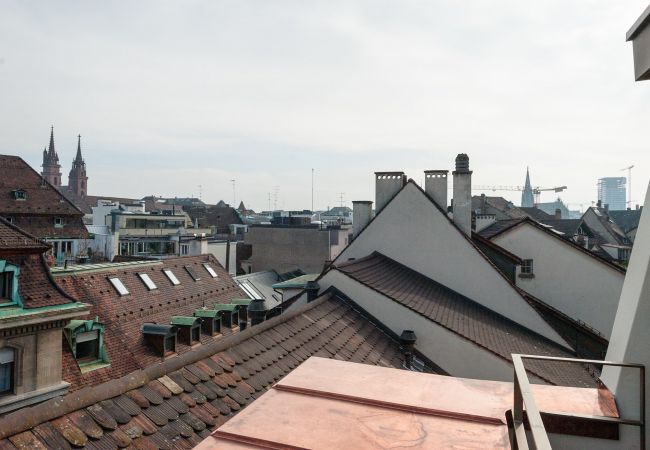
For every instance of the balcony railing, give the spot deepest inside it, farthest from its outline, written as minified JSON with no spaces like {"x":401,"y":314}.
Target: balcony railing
{"x":524,"y":397}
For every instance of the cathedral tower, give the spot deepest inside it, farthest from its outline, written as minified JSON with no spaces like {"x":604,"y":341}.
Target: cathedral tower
{"x":77,"y":179}
{"x":527,"y":196}
{"x":51,"y":167}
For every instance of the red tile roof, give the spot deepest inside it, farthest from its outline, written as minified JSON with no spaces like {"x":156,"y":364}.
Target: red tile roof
{"x":13,"y":239}
{"x":178,"y":402}
{"x":462,"y":316}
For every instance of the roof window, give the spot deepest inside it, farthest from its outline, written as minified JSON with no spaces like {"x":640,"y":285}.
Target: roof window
{"x":171,"y":277}
{"x":19,"y":194}
{"x":119,"y":286}
{"x":195,"y":276}
{"x":146,"y":279}
{"x":210,"y":270}
{"x":86,"y":340}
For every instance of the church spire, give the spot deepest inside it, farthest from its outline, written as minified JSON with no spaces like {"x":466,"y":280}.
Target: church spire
{"x":52,"y":152}
{"x":527,"y":196}
{"x":78,"y":159}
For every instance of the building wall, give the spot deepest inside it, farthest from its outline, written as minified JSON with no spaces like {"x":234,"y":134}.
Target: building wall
{"x":454,"y":354}
{"x":411,"y":231}
{"x":566,"y":278}
{"x":218,"y":249}
{"x":285,"y":248}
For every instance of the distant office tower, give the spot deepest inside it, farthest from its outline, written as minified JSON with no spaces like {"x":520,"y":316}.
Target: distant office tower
{"x":527,"y":196}
{"x":612,"y":192}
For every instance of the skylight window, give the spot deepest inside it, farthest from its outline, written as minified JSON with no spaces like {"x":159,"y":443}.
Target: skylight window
{"x":119,"y":286}
{"x":171,"y":277}
{"x":195,"y":276}
{"x":146,"y":279}
{"x":210,"y":270}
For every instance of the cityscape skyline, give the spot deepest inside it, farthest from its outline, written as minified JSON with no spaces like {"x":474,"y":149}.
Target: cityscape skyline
{"x":346,"y":89}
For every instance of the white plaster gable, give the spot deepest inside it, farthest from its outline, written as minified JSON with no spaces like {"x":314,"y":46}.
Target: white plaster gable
{"x":414,"y":232}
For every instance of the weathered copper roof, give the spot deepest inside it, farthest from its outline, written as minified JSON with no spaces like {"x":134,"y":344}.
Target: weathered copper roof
{"x":327,"y":404}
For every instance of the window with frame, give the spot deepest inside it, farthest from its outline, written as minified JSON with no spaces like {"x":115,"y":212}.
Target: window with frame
{"x":146,"y":279}
{"x":195,"y":276}
{"x":58,"y":222}
{"x":185,"y":249}
{"x":527,"y":267}
{"x":87,"y":346}
{"x":10,"y":219}
{"x":172,"y":278}
{"x":119,"y":286}
{"x":6,"y":286}
{"x":7,"y":356}
{"x":19,"y":194}
{"x":210,"y":270}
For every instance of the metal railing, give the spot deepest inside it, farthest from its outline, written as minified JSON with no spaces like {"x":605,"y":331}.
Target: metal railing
{"x":523,"y":396}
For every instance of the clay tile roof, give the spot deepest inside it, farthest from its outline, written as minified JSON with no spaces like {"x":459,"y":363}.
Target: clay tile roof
{"x":42,"y":198}
{"x":177,"y":403}
{"x":13,"y":238}
{"x":462,"y":316}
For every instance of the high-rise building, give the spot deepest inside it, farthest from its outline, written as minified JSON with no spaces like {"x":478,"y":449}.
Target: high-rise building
{"x":612,"y":192}
{"x":527,"y":197}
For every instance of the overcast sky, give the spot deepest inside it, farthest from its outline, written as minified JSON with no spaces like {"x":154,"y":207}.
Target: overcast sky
{"x":172,"y":95}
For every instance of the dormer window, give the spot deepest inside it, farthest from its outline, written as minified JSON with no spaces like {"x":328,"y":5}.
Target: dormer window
{"x":9,"y":283}
{"x":58,"y":222}
{"x":86,"y":340}
{"x":119,"y":286}
{"x":7,"y":356}
{"x":10,"y":219}
{"x":172,"y":278}
{"x":19,"y":194}
{"x":146,"y":279}
{"x":210,"y":270}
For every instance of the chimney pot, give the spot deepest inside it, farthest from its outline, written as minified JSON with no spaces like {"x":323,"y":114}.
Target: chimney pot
{"x":462,"y":202}
{"x":435,"y":185}
{"x":387,"y":185}
{"x":558,"y":213}
{"x":361,"y":215}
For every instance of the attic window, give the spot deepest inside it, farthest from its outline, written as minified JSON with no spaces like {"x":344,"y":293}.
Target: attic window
{"x":195,"y":276}
{"x":58,"y":222}
{"x":10,"y":219}
{"x":146,"y":279}
{"x":210,"y":270}
{"x":171,"y":277}
{"x":19,"y":194}
{"x":6,"y":286}
{"x":88,"y":346}
{"x":86,"y":340}
{"x":119,"y":286}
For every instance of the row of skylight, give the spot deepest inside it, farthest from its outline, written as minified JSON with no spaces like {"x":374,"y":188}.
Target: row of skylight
{"x":149,"y":283}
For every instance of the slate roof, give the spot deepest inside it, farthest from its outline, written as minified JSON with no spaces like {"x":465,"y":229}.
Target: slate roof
{"x":178,"y":402}
{"x":463,"y":316}
{"x":568,"y":227}
{"x":214,"y":216}
{"x":627,"y":219}
{"x":13,"y":238}
{"x":123,"y":316}
{"x":498,"y":227}
{"x":535,"y":213}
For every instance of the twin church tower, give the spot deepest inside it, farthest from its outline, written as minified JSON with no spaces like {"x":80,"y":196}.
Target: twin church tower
{"x":77,"y":178}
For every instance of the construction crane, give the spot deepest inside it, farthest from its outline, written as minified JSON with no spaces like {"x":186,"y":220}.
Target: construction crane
{"x":536,"y":190}
{"x":629,"y":184}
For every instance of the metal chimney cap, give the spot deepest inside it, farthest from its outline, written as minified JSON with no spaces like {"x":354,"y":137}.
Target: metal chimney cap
{"x":462,"y":162}
{"x":407,"y":337}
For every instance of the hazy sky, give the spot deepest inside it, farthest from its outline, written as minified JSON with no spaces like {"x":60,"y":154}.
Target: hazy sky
{"x":172,"y":95}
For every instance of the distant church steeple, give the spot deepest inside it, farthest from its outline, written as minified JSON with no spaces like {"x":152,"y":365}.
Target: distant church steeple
{"x":51,"y":167}
{"x":77,"y":179}
{"x":527,"y":196}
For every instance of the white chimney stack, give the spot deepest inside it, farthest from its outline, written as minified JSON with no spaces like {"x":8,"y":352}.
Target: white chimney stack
{"x":361,"y":215}
{"x":435,"y":185}
{"x":462,"y":204}
{"x":387,"y":185}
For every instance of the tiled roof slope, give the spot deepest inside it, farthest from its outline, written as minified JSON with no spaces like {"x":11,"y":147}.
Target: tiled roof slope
{"x":123,"y":316}
{"x":627,"y":220}
{"x":463,"y":316}
{"x":497,"y":227}
{"x":13,"y":238}
{"x":535,"y":213}
{"x":36,"y":287}
{"x":175,"y":409}
{"x":42,"y":198}
{"x":86,"y":202}
{"x":569,"y":227}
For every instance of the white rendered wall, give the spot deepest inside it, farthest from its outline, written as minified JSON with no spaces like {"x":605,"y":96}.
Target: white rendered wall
{"x":566,"y":278}
{"x":218,"y":249}
{"x":630,"y":341}
{"x":413,"y":232}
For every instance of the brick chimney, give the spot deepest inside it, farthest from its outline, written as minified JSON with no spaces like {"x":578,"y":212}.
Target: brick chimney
{"x":387,"y":185}
{"x":462,"y":204}
{"x":558,"y":213}
{"x":361,"y":215}
{"x":435,"y":185}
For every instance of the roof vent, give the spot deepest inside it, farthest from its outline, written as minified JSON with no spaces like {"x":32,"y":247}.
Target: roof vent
{"x":189,"y":329}
{"x":462,"y":162}
{"x":407,"y":343}
{"x":161,"y":338}
{"x":257,"y":311}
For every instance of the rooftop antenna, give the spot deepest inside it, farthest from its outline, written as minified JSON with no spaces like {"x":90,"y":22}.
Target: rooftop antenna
{"x":200,"y":192}
{"x":276,"y":190}
{"x":233,"y":193}
{"x":269,"y":201}
{"x":629,"y":184}
{"x":312,"y":190}
{"x":341,"y":198}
